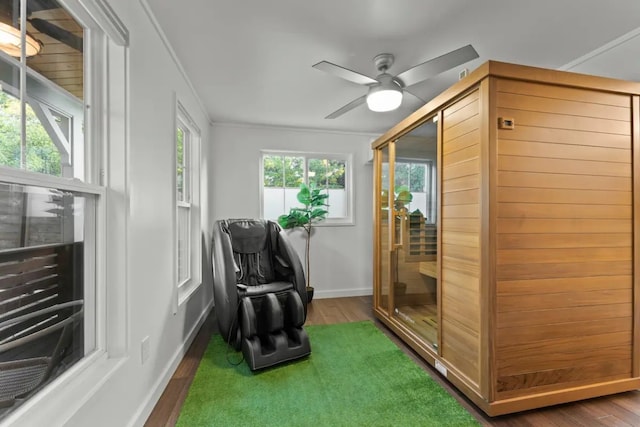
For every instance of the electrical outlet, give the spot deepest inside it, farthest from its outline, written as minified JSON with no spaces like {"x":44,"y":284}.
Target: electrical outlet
{"x":144,"y":349}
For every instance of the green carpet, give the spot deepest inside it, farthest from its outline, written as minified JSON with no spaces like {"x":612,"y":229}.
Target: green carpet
{"x":355,"y":376}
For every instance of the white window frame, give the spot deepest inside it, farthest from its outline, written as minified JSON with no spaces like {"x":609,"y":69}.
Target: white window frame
{"x":191,"y":201}
{"x":104,"y":173}
{"x":347,"y":220}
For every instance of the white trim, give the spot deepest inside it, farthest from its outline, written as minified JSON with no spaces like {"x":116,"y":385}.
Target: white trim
{"x":109,"y":22}
{"x":145,"y":409}
{"x":602,"y":49}
{"x":292,"y":129}
{"x":163,"y":37}
{"x":82,"y":380}
{"x":19,"y":176}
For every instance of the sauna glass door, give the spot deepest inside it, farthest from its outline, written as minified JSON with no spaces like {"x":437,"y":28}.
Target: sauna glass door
{"x":414,"y":268}
{"x":383,"y":254}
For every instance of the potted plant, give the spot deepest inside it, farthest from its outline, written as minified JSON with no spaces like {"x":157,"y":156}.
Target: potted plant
{"x":313,"y":211}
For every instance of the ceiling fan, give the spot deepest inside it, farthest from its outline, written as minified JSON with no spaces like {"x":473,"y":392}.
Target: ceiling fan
{"x":385,"y":91}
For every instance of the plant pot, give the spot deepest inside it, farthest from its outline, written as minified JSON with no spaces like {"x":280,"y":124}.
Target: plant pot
{"x":309,"y":294}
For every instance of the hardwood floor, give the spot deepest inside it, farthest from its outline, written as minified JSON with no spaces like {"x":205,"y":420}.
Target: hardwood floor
{"x":617,"y":410}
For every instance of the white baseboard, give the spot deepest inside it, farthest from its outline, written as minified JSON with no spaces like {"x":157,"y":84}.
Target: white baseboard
{"x":147,"y":406}
{"x":342,"y":293}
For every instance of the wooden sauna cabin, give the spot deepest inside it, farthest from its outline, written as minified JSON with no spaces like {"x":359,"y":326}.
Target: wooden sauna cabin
{"x":507,"y":235}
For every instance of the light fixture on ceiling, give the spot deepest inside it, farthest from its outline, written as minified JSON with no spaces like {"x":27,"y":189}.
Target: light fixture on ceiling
{"x":387,"y":96}
{"x":10,"y":39}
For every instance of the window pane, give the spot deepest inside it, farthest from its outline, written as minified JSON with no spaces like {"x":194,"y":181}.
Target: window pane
{"x":63,"y":49}
{"x":293,"y":171}
{"x":180,"y":164}
{"x":184,"y":243}
{"x":273,"y":171}
{"x":46,"y":241}
{"x":10,"y":145}
{"x":417,"y":178}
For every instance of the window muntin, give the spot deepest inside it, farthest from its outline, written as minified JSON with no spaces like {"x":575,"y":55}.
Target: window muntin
{"x":282,"y":174}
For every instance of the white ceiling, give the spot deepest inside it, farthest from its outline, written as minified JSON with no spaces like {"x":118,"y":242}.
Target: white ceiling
{"x":250,"y":60}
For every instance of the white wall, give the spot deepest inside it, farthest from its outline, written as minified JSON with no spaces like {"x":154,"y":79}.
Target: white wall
{"x":127,"y":393}
{"x":341,"y":256}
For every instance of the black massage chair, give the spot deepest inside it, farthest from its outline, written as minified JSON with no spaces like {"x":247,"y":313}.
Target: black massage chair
{"x":259,"y":292}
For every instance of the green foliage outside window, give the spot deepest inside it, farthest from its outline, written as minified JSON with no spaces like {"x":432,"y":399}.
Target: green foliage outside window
{"x":283,"y":171}
{"x":41,"y":153}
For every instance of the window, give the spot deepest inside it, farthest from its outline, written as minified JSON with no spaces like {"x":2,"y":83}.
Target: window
{"x":187,"y":204}
{"x":48,"y":234}
{"x":282,"y":174}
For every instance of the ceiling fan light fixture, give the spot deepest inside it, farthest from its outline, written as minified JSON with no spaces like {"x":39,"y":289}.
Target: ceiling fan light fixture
{"x":384,"y":97}
{"x":10,"y":42}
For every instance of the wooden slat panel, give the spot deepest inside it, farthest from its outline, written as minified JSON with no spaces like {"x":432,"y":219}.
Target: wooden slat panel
{"x":461,"y":211}
{"x":464,"y":168}
{"x":12,"y":280}
{"x":565,"y":352}
{"x":459,"y":116}
{"x":27,"y":265}
{"x":514,"y":319}
{"x":543,"y":286}
{"x":565,"y":121}
{"x":460,"y":223}
{"x":579,"y":225}
{"x":514,"y":147}
{"x":566,"y":137}
{"x":472,"y":97}
{"x":461,"y":197}
{"x":465,"y":225}
{"x":460,"y":348}
{"x":29,"y":288}
{"x":466,"y":319}
{"x":553,"y":195}
{"x":461,"y":239}
{"x":470,"y":182}
{"x":573,"y":298}
{"x":565,"y":269}
{"x":463,"y":128}
{"x":471,"y":152}
{"x":549,"y":210}
{"x":7,"y":306}
{"x":463,"y":253}
{"x":558,"y":377}
{"x":561,"y":92}
{"x":461,"y":142}
{"x":508,"y":337}
{"x":561,"y":180}
{"x":541,"y":256}
{"x":561,"y":106}
{"x":574,"y":167}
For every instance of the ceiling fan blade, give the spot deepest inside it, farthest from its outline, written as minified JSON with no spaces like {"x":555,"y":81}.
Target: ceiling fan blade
{"x":435,"y":66}
{"x":58,"y":33}
{"x":350,"y":106}
{"x":414,"y":95}
{"x":344,"y":73}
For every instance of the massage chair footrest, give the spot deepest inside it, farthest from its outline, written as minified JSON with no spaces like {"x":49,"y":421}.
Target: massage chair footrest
{"x":273,"y":348}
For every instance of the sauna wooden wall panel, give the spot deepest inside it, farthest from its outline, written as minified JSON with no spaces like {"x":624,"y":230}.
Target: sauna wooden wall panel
{"x":563,"y":238}
{"x":460,"y":248}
